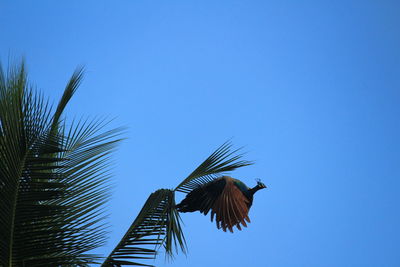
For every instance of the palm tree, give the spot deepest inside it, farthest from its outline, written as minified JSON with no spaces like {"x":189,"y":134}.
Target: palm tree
{"x":54,"y":177}
{"x":55,"y":182}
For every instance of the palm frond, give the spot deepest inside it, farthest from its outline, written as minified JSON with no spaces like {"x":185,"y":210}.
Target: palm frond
{"x":155,"y":225}
{"x":86,"y":175}
{"x":174,"y":237}
{"x":159,"y":224}
{"x":69,"y":91}
{"x":54,"y":180}
{"x":219,"y":162}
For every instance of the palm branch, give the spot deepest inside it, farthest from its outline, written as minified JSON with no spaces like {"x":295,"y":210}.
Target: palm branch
{"x":54,"y":178}
{"x":147,"y":232}
{"x":158,"y":223}
{"x":221,"y":161}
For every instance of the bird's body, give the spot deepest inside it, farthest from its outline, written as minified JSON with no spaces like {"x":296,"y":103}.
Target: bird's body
{"x":228,"y":199}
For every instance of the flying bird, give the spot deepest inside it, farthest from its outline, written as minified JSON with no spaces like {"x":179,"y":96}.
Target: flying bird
{"x":228,"y":199}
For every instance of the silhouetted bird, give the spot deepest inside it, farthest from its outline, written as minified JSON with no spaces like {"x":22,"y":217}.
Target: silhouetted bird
{"x":228,"y":199}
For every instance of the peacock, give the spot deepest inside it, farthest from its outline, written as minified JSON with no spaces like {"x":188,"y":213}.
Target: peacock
{"x":228,"y":199}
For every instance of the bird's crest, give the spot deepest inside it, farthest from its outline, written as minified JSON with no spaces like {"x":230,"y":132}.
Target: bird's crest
{"x":259,"y":183}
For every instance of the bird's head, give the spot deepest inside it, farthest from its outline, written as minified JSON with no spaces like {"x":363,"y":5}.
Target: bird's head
{"x":260,"y":184}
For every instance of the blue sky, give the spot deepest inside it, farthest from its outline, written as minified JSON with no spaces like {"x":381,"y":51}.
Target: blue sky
{"x":310,"y":88}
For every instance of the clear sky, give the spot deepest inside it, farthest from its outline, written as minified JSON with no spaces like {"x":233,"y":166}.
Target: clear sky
{"x":310,"y":88}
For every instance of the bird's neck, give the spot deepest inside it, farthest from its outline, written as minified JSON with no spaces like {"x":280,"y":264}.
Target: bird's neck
{"x":254,"y":189}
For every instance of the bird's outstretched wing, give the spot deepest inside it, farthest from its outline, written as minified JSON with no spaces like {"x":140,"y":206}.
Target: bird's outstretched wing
{"x":231,"y":208}
{"x":225,"y":200}
{"x":203,"y":197}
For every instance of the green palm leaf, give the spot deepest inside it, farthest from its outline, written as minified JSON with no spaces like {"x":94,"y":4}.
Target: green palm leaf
{"x":155,"y":223}
{"x":221,"y":161}
{"x":54,"y":179}
{"x":158,"y":223}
